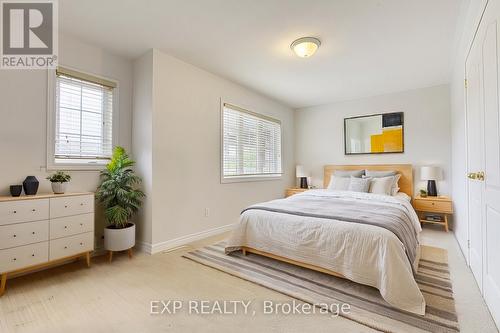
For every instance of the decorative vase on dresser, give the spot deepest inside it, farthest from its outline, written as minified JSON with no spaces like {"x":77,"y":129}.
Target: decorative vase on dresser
{"x":30,"y":185}
{"x":41,"y":230}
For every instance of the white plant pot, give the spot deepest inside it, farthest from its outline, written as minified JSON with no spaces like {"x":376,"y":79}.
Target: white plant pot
{"x":59,"y":188}
{"x":119,"y":239}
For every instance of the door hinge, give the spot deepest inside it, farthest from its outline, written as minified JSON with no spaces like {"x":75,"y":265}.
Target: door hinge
{"x":465,"y":83}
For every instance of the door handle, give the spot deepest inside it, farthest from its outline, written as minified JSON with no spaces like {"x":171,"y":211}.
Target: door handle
{"x":472,"y":175}
{"x":476,"y":175}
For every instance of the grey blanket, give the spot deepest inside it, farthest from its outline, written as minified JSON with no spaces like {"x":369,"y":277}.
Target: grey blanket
{"x":393,"y":217}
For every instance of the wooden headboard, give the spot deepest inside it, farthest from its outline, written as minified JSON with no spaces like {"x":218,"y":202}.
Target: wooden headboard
{"x":406,"y":171}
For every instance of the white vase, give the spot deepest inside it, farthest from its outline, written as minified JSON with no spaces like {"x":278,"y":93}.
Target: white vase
{"x":59,"y":188}
{"x":119,"y":239}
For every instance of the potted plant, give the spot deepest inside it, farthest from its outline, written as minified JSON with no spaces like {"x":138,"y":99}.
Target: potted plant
{"x":423,"y":193}
{"x":121,"y":198}
{"x":59,"y":182}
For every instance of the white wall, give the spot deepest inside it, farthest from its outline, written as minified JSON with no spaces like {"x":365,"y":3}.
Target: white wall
{"x":142,"y":145}
{"x":23,"y":116}
{"x":186,"y":152}
{"x":320,"y":132}
{"x":470,"y":20}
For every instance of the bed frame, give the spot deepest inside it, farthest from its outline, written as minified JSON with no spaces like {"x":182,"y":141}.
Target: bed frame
{"x":405,"y":184}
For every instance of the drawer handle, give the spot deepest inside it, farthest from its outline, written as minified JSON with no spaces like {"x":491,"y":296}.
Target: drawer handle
{"x":65,"y":247}
{"x":81,"y":204}
{"x":33,"y":210}
{"x":14,"y":235}
{"x":15,"y":212}
{"x":432,"y":203}
{"x":81,"y":243}
{"x":33,"y":255}
{"x":81,"y":224}
{"x":65,"y":227}
{"x":65,"y":206}
{"x":14,"y":259}
{"x":33,"y":232}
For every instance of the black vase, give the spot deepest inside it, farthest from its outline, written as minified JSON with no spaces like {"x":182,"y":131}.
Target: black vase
{"x":30,"y":185}
{"x":15,"y":190}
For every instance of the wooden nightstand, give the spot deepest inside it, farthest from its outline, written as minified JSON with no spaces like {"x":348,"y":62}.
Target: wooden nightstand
{"x":295,"y":190}
{"x":441,"y":205}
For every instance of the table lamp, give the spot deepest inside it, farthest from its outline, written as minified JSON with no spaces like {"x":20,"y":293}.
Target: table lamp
{"x":301,"y":173}
{"x":431,"y":174}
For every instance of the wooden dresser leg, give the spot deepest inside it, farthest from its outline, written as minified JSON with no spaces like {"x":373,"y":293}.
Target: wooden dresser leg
{"x":446,"y":222}
{"x":3,"y":284}
{"x":110,"y":256}
{"x":87,"y":258}
{"x":130,"y":253}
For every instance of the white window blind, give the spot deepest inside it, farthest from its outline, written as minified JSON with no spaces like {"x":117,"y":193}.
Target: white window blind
{"x":84,"y":118}
{"x":251,"y":144}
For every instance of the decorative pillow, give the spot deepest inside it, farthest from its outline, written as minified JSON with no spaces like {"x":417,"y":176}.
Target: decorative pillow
{"x":382,"y":185}
{"x":348,"y":173}
{"x":380,"y":174}
{"x":339,"y":183}
{"x":359,"y":184}
{"x":395,"y":185}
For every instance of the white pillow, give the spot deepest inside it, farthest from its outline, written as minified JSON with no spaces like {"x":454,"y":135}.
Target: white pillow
{"x":359,"y":184}
{"x":381,"y":185}
{"x":339,"y":183}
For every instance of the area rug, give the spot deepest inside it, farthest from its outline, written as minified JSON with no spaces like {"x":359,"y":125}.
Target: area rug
{"x":367,"y":307}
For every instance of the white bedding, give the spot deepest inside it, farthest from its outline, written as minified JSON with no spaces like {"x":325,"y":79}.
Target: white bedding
{"x":363,"y":253}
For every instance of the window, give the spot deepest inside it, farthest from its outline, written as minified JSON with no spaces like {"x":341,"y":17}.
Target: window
{"x":251,"y":145}
{"x":83,"y":119}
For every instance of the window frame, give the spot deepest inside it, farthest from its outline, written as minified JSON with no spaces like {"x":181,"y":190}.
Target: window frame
{"x":247,"y":178}
{"x":84,"y":164}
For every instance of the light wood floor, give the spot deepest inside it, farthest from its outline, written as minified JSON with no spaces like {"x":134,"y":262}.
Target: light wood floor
{"x":116,"y":297}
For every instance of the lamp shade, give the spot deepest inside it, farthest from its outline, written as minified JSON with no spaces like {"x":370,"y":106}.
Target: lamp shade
{"x":300,"y":171}
{"x":430,"y":173}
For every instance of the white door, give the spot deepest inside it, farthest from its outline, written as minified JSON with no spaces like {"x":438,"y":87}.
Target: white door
{"x":484,"y":193}
{"x":491,"y":128}
{"x":475,"y":157}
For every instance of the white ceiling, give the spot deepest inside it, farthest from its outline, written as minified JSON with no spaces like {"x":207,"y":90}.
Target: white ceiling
{"x":369,"y":47}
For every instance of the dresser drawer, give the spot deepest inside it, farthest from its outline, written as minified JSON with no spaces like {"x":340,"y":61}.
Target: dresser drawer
{"x":68,"y":246}
{"x":67,"y":206}
{"x":23,"y":233}
{"x":24,"y":211}
{"x":23,"y":256}
{"x":71,"y":225}
{"x":433,"y":206}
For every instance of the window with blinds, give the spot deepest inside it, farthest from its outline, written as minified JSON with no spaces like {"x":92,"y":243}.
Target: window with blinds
{"x":251,"y":144}
{"x":83,"y":118}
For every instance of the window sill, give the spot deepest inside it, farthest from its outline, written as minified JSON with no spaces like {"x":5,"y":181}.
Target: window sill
{"x":245,"y":179}
{"x":78,"y":165}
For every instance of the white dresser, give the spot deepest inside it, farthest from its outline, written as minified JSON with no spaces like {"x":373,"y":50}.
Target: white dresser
{"x":37,"y":231}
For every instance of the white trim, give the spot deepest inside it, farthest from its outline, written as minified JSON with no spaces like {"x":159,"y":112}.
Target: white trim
{"x":183,"y":240}
{"x":51,"y":93}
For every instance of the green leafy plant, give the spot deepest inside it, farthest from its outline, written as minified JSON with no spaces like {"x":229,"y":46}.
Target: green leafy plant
{"x":59,"y":177}
{"x":118,"y":191}
{"x":423,"y":193}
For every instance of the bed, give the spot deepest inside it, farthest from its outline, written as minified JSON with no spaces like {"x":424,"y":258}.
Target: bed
{"x":371,"y":239}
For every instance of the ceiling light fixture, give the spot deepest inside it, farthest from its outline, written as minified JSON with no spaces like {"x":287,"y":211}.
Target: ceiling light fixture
{"x":305,"y":47}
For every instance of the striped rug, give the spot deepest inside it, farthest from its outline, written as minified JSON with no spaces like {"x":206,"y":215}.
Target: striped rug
{"x":367,"y":306}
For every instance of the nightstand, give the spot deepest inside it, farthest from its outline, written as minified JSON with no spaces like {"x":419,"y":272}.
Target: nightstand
{"x":295,"y":190}
{"x":440,"y":205}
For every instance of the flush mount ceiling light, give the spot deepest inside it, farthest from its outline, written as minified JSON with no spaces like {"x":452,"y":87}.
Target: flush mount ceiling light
{"x":305,"y":47}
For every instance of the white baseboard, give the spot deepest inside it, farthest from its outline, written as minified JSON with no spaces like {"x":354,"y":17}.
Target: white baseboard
{"x":180,"y":241}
